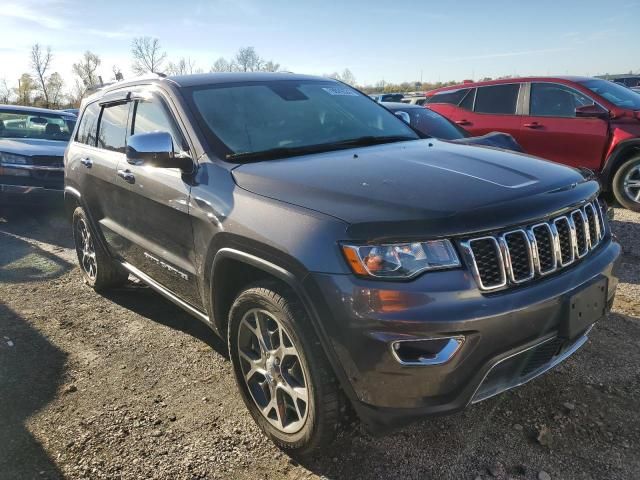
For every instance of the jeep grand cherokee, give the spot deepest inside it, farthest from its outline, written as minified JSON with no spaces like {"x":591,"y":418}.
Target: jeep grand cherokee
{"x":345,"y":259}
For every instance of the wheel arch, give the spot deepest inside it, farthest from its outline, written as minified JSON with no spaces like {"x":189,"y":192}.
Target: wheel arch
{"x":227,"y":258}
{"x":620,"y":154}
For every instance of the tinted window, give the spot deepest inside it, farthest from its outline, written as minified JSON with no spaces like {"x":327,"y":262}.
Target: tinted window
{"x":498,"y":99}
{"x":554,"y":100}
{"x":88,"y":125}
{"x":260,"y":116}
{"x":453,"y":97}
{"x":152,"y":116}
{"x":433,"y":124}
{"x":467,"y":101}
{"x":113,"y":127}
{"x":616,"y":94}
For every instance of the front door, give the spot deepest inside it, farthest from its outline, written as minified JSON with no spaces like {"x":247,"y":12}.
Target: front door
{"x":158,"y":221}
{"x":552,"y":131}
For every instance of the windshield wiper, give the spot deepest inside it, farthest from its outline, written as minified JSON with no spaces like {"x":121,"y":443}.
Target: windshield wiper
{"x":282,"y":152}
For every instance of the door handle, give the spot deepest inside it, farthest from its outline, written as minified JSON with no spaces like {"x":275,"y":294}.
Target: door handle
{"x":87,"y":162}
{"x":463,"y":122}
{"x":127,"y":176}
{"x":532,"y":125}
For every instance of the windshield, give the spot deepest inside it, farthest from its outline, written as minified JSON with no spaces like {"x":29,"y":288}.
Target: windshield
{"x":25,"y":124}
{"x":617,"y":94}
{"x":433,"y":124}
{"x":291,"y":114}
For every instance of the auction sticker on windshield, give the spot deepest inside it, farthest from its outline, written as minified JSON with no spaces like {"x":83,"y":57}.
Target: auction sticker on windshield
{"x":340,"y":91}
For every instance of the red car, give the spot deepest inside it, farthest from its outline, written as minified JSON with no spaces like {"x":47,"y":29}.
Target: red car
{"x":578,"y":121}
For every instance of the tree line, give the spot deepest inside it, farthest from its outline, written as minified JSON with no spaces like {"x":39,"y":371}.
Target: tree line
{"x":44,"y":87}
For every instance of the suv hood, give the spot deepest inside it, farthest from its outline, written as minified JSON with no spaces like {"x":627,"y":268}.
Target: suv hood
{"x":402,"y":189}
{"x":33,"y":146}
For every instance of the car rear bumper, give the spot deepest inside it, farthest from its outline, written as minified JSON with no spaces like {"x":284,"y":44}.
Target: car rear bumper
{"x":509,"y":338}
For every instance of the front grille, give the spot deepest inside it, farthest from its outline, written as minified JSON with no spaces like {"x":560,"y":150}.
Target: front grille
{"x":47,"y":161}
{"x":520,"y":255}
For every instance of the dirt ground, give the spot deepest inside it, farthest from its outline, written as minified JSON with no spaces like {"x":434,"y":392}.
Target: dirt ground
{"x":129,"y":386}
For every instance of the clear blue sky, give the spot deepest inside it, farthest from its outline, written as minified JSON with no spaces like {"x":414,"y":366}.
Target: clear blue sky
{"x":394,"y":41}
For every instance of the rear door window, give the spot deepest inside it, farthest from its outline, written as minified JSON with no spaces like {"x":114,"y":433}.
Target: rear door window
{"x":88,"y":127}
{"x":112,"y":131}
{"x":497,"y":99}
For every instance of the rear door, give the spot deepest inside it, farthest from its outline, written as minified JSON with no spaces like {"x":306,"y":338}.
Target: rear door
{"x":551,"y":130}
{"x":158,"y":222}
{"x":93,"y":159}
{"x":482,"y":110}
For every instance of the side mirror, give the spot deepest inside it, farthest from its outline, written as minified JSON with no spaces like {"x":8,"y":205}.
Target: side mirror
{"x":591,"y":111}
{"x":404,"y":116}
{"x":156,"y":149}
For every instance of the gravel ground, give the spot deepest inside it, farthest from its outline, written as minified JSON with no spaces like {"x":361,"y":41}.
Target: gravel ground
{"x":129,"y":386}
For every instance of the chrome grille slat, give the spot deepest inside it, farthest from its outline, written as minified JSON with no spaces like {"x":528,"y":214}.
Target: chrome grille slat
{"x":522,"y":254}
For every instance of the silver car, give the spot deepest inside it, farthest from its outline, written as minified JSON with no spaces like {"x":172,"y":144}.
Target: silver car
{"x":32,"y":144}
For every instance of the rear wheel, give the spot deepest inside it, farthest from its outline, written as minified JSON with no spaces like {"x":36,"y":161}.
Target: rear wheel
{"x":626,"y":184}
{"x":284,"y":377}
{"x":99,"y":271}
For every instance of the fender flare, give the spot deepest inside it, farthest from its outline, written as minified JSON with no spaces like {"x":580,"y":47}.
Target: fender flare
{"x":616,"y":159}
{"x":296,"y":285}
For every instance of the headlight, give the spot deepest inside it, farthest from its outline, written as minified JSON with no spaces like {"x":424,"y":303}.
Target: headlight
{"x":400,"y":260}
{"x":13,"y":159}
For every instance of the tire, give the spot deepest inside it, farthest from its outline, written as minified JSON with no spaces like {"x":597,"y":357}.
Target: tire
{"x":99,"y":270}
{"x":626,"y":184}
{"x":299,"y":427}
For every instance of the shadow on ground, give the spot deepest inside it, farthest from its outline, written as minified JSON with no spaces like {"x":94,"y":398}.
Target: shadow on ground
{"x":145,"y":302}
{"x":31,"y":371}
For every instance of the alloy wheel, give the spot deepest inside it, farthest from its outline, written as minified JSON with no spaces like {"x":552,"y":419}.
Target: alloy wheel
{"x":86,"y":249}
{"x":631,"y":183}
{"x":272,"y":370}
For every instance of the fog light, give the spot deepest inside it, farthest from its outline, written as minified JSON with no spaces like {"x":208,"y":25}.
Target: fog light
{"x":427,"y":351}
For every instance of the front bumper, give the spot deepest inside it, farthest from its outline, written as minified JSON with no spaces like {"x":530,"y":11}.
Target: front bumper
{"x":21,"y":194}
{"x":361,"y":319}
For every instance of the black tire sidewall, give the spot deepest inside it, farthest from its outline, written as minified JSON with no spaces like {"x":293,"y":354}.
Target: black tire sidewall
{"x":79,"y":214}
{"x":256,"y":298}
{"x":618,"y":184}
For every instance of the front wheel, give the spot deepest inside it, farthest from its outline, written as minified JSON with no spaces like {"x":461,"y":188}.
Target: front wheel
{"x":284,"y":377}
{"x":99,"y":271}
{"x":626,"y":184}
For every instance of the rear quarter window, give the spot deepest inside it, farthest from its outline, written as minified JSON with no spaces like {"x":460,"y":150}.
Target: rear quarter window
{"x":87,"y":130}
{"x":453,"y":97}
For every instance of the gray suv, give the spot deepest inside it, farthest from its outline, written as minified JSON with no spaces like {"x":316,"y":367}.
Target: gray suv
{"x":347,"y":261}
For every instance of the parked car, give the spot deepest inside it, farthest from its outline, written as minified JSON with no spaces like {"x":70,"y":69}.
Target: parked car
{"x":433,"y":124}
{"x":414,"y":100}
{"x":387,"y":97}
{"x":344,"y":259}
{"x":74,"y":111}
{"x":32,"y":144}
{"x":628,"y":80}
{"x":579,"y":121}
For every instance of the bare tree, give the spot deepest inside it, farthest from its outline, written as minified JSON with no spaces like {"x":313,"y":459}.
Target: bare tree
{"x":147,"y":55}
{"x":54,"y":88}
{"x":248,"y":60}
{"x":270,"y":66}
{"x":40,"y":63}
{"x":222,"y":65}
{"x":5,"y":91}
{"x":86,"y":69}
{"x":346,"y":76}
{"x":117,"y":73}
{"x":184,"y":66}
{"x":25,"y":88}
